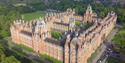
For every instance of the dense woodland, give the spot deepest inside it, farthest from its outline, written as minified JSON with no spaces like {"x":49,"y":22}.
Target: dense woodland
{"x":12,"y":11}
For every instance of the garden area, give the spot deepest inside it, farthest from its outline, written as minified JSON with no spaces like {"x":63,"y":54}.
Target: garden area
{"x":83,"y":25}
{"x":56,"y":35}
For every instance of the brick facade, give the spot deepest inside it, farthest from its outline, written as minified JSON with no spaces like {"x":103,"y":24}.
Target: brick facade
{"x":75,"y":46}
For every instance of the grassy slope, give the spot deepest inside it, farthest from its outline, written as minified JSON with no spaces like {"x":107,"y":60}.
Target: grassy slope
{"x":34,"y":15}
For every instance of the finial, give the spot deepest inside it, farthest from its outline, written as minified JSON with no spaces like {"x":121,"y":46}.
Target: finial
{"x":89,"y":9}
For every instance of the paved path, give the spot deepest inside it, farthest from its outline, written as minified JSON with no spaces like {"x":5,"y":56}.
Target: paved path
{"x":102,"y":48}
{"x":104,"y":61}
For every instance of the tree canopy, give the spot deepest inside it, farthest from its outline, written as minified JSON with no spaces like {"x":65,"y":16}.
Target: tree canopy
{"x":4,"y":58}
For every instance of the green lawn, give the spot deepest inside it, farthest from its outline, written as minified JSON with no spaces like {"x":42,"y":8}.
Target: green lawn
{"x":83,"y":25}
{"x":50,"y":59}
{"x":23,"y":47}
{"x":33,"y":15}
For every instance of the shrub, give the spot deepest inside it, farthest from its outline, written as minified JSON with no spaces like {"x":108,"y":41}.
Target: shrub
{"x":56,"y":35}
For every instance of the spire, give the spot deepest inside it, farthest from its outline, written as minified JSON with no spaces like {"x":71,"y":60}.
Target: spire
{"x":89,"y":9}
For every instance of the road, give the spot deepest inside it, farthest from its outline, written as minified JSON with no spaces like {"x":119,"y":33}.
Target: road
{"x":103,"y":55}
{"x":108,"y":50}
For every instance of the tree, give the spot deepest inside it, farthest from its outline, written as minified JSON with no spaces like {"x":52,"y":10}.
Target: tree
{"x":119,"y":38}
{"x":10,"y":59}
{"x":7,"y":16}
{"x":2,"y":55}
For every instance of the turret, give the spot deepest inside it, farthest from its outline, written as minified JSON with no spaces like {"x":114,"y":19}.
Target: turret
{"x":89,"y":10}
{"x":89,"y":15}
{"x":72,"y":24}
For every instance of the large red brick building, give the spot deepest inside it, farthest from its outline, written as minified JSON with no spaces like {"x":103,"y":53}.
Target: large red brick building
{"x":77,"y":43}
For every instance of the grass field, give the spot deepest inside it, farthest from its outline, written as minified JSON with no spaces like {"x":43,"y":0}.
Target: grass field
{"x":34,"y":15}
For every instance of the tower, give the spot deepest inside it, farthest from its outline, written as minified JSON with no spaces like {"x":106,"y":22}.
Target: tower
{"x":39,"y":35}
{"x":72,"y":24}
{"x":89,"y":15}
{"x":67,"y":49}
{"x":74,"y":50}
{"x":89,"y":10}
